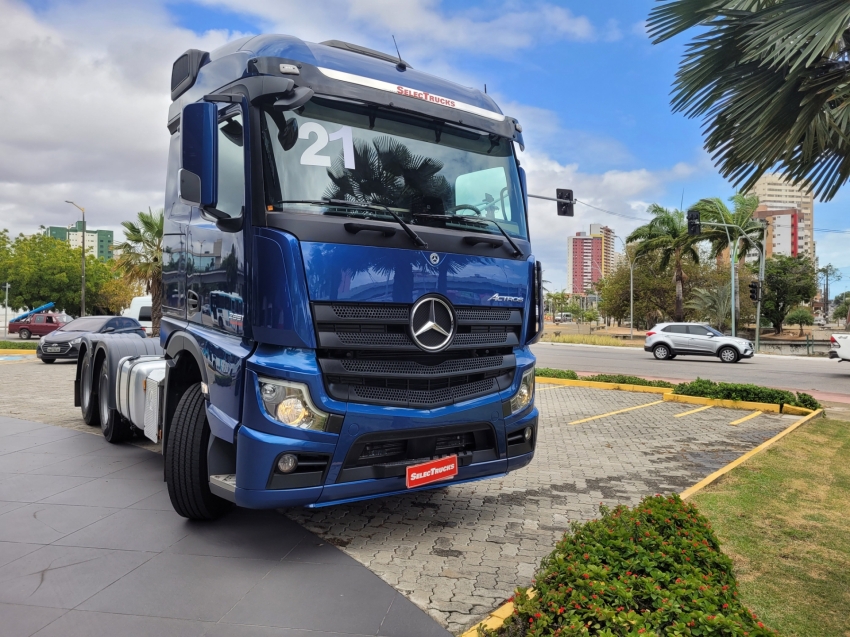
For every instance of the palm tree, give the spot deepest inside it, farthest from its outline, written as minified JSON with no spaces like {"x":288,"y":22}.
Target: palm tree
{"x":713,"y":304}
{"x":667,"y":235}
{"x":771,"y":82}
{"x":721,"y":239}
{"x":140,"y":257}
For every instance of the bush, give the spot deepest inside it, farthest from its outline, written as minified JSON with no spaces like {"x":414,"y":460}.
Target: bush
{"x":652,"y":570}
{"x":548,"y":372}
{"x":741,"y":391}
{"x":18,"y":345}
{"x":628,"y":380}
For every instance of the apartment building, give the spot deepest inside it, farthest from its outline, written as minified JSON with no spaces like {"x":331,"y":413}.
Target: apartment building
{"x":98,"y":242}
{"x":790,"y":211}
{"x":590,"y":257}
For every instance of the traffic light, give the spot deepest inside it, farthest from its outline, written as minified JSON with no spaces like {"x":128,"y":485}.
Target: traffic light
{"x":693,"y":223}
{"x":566,"y":203}
{"x":755,"y":290}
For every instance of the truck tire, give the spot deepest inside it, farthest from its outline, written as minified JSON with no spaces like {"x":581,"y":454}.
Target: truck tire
{"x":186,"y":461}
{"x":88,"y":393}
{"x":24,"y":334}
{"x":114,"y":426}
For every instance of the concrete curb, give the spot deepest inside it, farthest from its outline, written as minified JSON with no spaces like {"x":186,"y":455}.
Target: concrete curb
{"x":496,"y":618}
{"x":17,"y":352}
{"x":597,"y":385}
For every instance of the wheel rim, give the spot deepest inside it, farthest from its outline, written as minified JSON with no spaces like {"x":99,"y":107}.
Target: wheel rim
{"x":661,"y":352}
{"x":727,"y":355}
{"x":104,"y":403}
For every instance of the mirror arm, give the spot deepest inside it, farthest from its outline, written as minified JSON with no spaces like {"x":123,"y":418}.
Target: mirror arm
{"x":224,"y":221}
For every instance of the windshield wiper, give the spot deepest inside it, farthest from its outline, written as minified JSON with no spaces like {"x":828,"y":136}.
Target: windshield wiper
{"x":517,"y":251}
{"x":417,"y":240}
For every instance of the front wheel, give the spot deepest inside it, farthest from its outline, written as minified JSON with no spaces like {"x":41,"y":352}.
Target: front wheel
{"x":661,"y":352}
{"x":728,"y":355}
{"x":25,"y":334}
{"x":186,"y":471}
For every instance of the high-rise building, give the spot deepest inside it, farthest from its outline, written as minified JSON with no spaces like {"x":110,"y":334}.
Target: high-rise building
{"x":775,"y":193}
{"x":782,"y":235}
{"x":98,"y":242}
{"x":590,"y":257}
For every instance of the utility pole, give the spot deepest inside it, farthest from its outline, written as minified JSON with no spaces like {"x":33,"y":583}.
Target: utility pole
{"x":6,"y":310}
{"x":83,"y":289}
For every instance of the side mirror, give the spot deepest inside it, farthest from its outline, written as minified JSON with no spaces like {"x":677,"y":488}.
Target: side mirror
{"x":198,"y":176}
{"x":107,"y":330}
{"x":566,"y":203}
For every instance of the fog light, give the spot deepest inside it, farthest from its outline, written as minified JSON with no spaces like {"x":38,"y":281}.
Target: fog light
{"x":528,"y":434}
{"x":287,"y":463}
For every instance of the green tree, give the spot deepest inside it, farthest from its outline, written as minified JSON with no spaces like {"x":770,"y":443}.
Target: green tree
{"x":839,"y":314}
{"x":42,"y":269}
{"x":712,"y":304}
{"x":667,"y":236}
{"x":800,"y":316}
{"x":769,"y":78}
{"x":829,"y":273}
{"x":140,"y":258}
{"x":788,"y":282}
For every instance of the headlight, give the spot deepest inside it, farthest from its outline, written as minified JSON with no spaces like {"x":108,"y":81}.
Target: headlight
{"x":289,"y":403}
{"x":525,"y":394}
{"x":76,"y":341}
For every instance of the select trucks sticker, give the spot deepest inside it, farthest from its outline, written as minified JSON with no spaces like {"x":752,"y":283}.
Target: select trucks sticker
{"x":433,"y":471}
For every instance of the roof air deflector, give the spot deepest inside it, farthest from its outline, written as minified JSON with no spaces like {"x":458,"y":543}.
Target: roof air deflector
{"x":362,"y":50}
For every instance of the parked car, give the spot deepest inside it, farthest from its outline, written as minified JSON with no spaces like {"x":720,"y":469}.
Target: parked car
{"x":839,"y":347}
{"x":140,"y":309}
{"x":38,"y":324}
{"x":669,"y":340}
{"x":65,"y":342}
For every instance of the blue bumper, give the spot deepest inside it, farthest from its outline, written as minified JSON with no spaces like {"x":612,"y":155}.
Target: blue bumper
{"x":260,"y":440}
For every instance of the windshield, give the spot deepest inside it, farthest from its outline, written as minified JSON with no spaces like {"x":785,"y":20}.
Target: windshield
{"x":86,"y":324}
{"x":429,"y":173}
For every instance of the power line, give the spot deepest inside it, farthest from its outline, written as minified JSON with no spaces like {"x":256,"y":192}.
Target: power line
{"x":831,"y":230}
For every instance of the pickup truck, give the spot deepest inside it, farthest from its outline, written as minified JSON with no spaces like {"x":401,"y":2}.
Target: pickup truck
{"x":839,"y":347}
{"x":38,"y":324}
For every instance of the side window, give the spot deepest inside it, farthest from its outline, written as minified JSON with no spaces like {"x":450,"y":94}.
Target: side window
{"x":697,"y":330}
{"x":39,"y":318}
{"x":231,"y":165}
{"x":113,"y":324}
{"x":675,"y":329}
{"x":145,"y":313}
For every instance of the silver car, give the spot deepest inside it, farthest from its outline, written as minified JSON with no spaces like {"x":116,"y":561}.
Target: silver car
{"x":669,"y":340}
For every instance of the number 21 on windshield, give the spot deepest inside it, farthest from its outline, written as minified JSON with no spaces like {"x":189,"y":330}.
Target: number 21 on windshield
{"x":311,"y":156}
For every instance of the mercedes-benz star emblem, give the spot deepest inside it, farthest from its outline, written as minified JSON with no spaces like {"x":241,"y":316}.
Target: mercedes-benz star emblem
{"x":432,"y":323}
{"x":434,"y":258}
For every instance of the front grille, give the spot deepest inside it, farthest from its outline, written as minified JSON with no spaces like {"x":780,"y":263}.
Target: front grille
{"x":368,"y":356}
{"x":388,"y":454}
{"x":63,"y":348}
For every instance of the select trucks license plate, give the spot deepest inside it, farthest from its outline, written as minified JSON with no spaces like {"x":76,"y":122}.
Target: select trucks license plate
{"x":433,"y":471}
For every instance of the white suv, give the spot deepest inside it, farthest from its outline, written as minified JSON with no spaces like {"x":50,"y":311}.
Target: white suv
{"x":669,"y":340}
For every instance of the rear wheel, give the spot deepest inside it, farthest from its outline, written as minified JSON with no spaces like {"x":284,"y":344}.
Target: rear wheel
{"x":88,"y":394}
{"x":186,"y":469}
{"x":115,"y":428}
{"x":728,"y":355}
{"x":661,"y":352}
{"x":25,"y":334}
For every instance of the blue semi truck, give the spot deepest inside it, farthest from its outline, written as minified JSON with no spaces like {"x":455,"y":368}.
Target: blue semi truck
{"x":348,"y":290}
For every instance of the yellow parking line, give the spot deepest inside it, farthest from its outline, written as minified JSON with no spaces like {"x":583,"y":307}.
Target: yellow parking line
{"x":745,"y":418}
{"x":613,"y":413}
{"x":693,"y":411}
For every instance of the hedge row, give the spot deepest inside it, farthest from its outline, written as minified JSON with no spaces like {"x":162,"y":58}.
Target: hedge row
{"x":700,"y":387}
{"x":649,"y":571}
{"x":742,"y":391}
{"x":18,"y":345}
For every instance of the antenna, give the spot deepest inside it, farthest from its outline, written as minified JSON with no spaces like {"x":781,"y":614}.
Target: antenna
{"x":401,"y":66}
{"x":485,"y":87}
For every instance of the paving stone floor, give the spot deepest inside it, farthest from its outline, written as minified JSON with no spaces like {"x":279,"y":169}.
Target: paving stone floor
{"x":457,"y":552}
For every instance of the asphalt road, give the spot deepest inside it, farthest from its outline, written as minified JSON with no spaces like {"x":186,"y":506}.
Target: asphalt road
{"x":814,"y":375}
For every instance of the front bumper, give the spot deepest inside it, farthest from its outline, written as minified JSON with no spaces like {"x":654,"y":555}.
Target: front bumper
{"x":347,"y":472}
{"x":747,"y":353}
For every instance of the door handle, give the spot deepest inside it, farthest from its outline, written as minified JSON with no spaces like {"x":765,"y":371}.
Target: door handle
{"x":192,"y":300}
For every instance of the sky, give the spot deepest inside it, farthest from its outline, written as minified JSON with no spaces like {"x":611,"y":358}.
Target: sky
{"x":87,"y":93}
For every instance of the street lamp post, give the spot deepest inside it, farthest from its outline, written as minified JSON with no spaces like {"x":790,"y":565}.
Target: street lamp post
{"x":83,"y":288}
{"x":631,"y":288}
{"x":6,"y":312}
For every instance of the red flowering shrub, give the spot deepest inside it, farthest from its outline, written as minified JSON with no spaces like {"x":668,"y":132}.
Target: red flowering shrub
{"x":651,"y":571}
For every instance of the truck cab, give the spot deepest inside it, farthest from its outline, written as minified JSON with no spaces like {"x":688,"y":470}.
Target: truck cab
{"x":348,"y":287}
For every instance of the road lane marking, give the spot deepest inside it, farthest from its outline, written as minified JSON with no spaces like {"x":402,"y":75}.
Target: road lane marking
{"x":745,"y":418}
{"x":613,"y":413}
{"x":692,"y":411}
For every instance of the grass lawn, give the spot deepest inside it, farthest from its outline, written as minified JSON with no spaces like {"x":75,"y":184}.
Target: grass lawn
{"x":584,"y":339}
{"x":19,"y":344}
{"x":783,"y":519}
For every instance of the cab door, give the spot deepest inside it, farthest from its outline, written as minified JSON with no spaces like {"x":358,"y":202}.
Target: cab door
{"x":702,"y":341}
{"x":39,"y":325}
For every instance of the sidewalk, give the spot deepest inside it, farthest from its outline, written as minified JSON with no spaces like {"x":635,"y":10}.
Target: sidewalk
{"x":89,"y":545}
